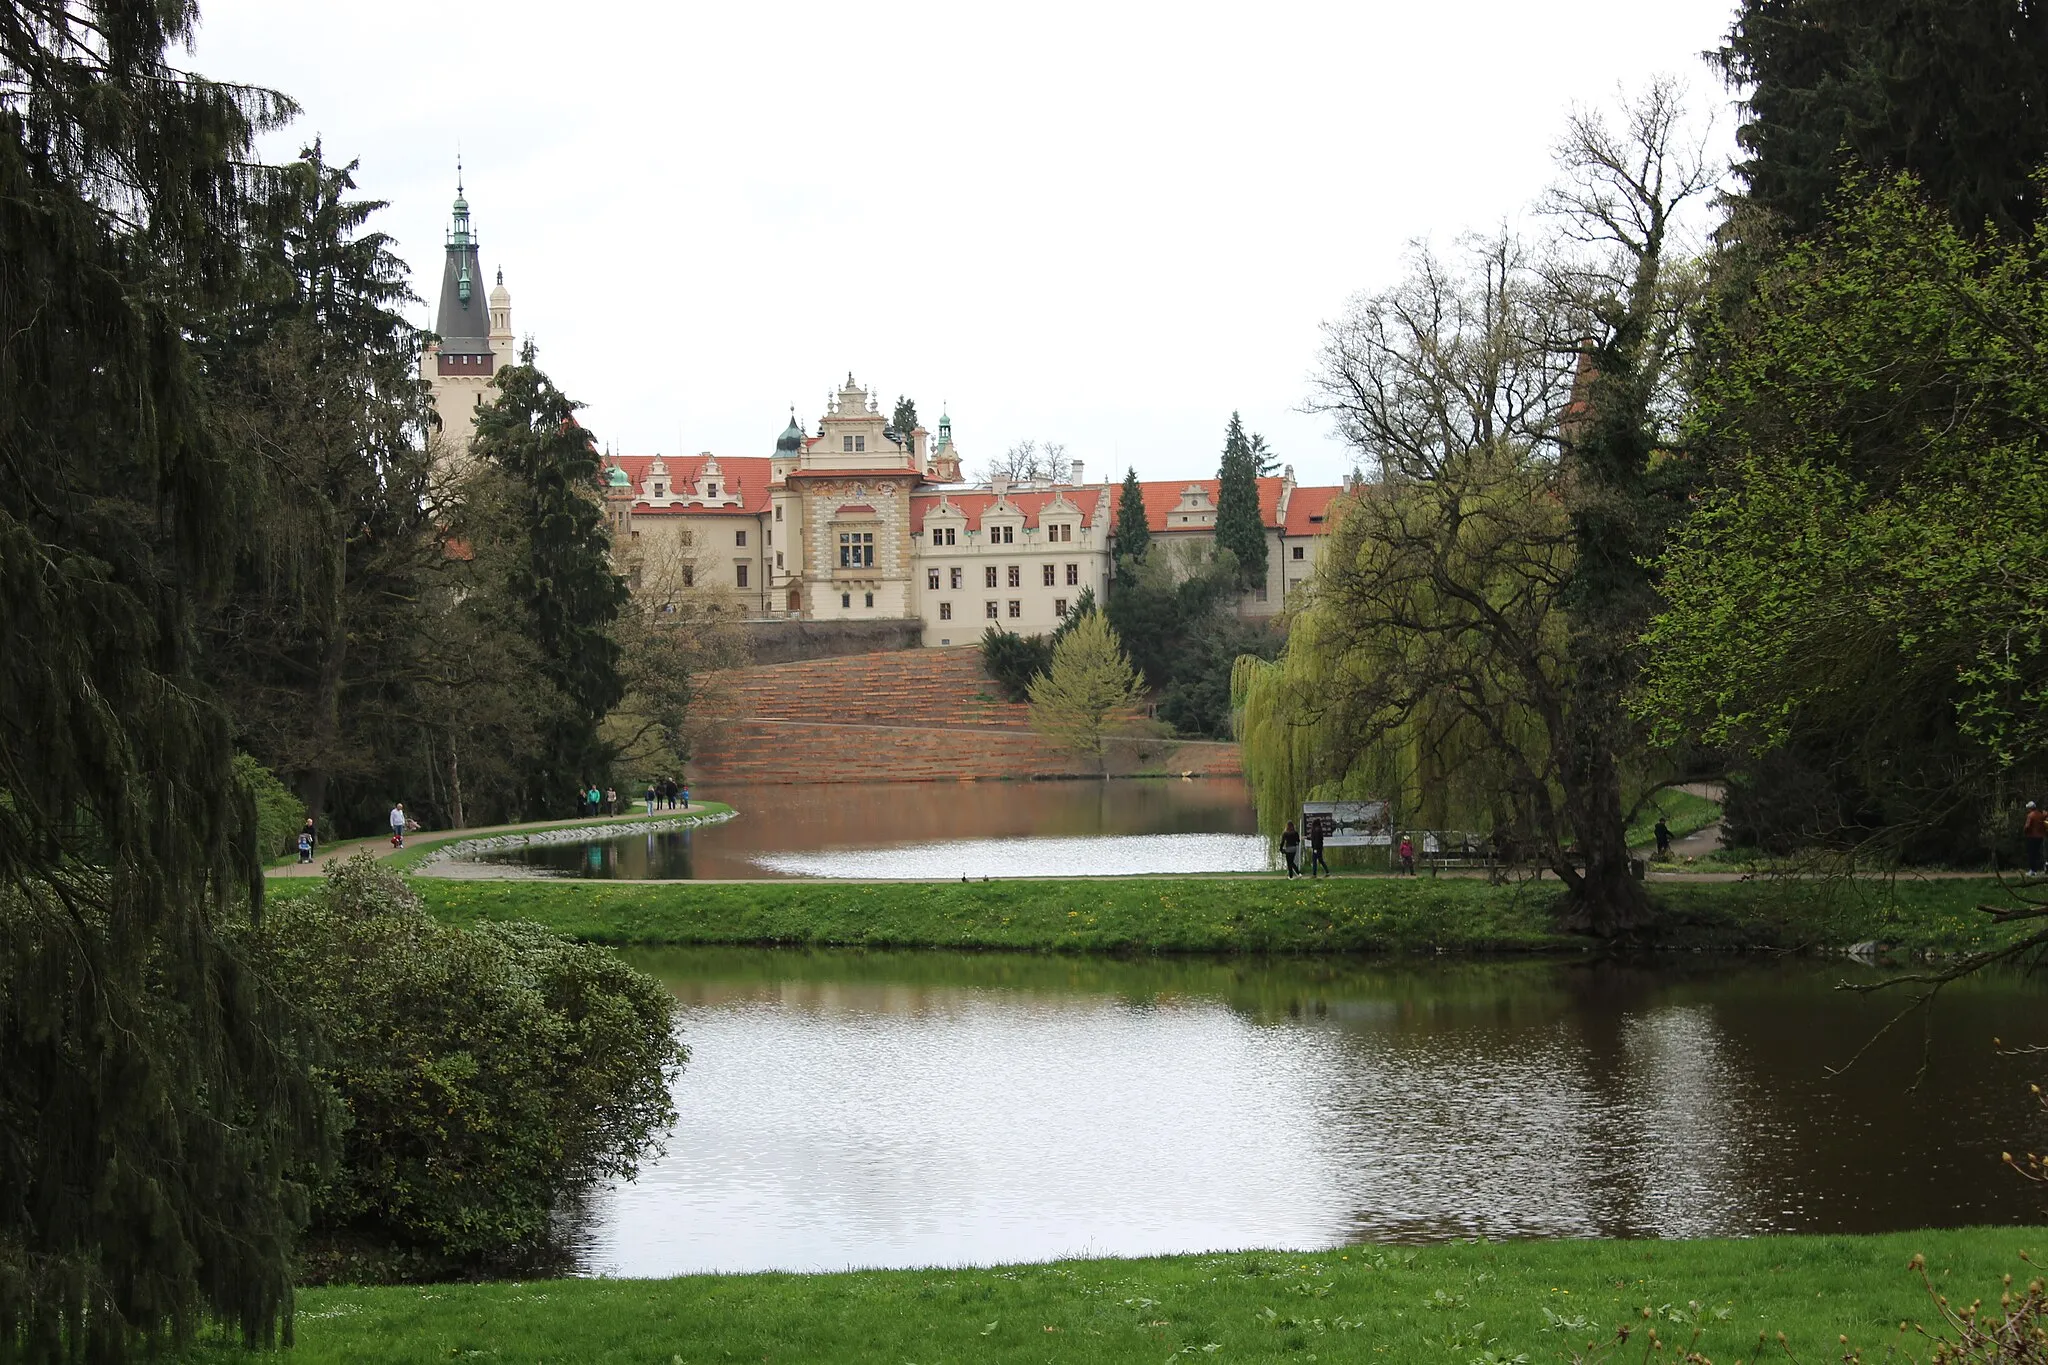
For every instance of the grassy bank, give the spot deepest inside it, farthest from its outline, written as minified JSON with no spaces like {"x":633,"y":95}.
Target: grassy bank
{"x":1451,"y":1303}
{"x":1212,"y":914}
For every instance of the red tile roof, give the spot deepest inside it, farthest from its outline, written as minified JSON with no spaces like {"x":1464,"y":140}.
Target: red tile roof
{"x":1162,"y":497}
{"x":1032,"y":505}
{"x":1308,"y":511}
{"x":748,"y":475}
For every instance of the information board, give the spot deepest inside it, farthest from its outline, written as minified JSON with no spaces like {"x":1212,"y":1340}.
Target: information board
{"x":1348,"y":824}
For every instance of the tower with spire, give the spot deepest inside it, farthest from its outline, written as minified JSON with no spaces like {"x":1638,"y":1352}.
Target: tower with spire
{"x":473,"y":334}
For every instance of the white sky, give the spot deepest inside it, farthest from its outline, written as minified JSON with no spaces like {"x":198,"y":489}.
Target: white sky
{"x":1106,"y":224}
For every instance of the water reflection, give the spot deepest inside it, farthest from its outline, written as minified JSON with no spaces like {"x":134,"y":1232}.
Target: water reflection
{"x":872,"y":1109}
{"x":938,"y":829}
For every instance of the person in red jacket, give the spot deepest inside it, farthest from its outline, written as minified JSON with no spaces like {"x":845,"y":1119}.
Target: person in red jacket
{"x":2035,"y":831}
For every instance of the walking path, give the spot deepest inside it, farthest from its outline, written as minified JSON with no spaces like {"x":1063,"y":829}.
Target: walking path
{"x":342,"y":852}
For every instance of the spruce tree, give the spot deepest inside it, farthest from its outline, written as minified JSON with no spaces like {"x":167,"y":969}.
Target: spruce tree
{"x":561,"y":571}
{"x":1239,"y":528}
{"x":326,"y":633}
{"x":1953,"y":91}
{"x":1133,"y":534}
{"x":152,"y":1115}
{"x":904,"y":420}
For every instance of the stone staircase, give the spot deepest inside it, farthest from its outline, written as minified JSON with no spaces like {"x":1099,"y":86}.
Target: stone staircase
{"x":919,"y":715}
{"x":922,"y":688}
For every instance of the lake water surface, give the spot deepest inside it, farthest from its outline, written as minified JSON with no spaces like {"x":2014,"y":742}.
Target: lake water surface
{"x":937,"y":829}
{"x":901,"y":1109}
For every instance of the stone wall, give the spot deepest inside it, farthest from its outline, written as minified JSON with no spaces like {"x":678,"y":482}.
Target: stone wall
{"x":787,"y":641}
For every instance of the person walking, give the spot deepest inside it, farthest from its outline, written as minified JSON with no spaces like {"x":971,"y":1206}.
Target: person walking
{"x":1290,"y":849}
{"x":611,"y":800}
{"x":1407,"y":856}
{"x":1663,"y":837}
{"x":686,"y":796}
{"x":650,"y":798}
{"x":398,"y":824}
{"x":2035,"y":831}
{"x":1317,"y":828}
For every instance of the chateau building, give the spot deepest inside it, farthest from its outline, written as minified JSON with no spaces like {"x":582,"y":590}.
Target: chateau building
{"x":859,"y":521}
{"x":856,"y":521}
{"x":475,"y":335}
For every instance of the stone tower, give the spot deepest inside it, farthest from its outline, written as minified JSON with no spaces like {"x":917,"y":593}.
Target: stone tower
{"x":475,"y":336}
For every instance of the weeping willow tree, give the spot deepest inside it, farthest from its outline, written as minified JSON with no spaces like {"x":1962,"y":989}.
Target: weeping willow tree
{"x":153,"y":1114}
{"x":1473,"y":631}
{"x":1427,"y":666}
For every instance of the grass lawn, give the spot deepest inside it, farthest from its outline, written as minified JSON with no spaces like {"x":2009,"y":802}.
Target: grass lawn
{"x":1209,"y":914}
{"x":1452,"y":1303}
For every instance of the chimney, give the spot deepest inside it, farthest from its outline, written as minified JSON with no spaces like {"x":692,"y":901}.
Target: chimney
{"x":1000,"y":484}
{"x":1074,"y":477}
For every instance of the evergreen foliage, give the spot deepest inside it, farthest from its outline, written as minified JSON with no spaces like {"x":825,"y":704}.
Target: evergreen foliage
{"x":1014,"y":661}
{"x":152,"y":1119}
{"x":279,"y":814}
{"x":903,"y":420}
{"x":1162,"y":604}
{"x":321,"y":647}
{"x":1088,"y":692}
{"x":1239,"y":528}
{"x":485,"y":1071}
{"x":560,"y":571}
{"x":1133,"y":532}
{"x":1954,"y":92}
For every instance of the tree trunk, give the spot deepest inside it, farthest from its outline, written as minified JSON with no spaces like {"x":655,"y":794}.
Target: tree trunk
{"x":1605,"y":899}
{"x":455,"y":813}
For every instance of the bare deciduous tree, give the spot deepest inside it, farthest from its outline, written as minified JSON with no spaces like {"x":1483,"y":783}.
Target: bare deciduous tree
{"x":1030,"y":462}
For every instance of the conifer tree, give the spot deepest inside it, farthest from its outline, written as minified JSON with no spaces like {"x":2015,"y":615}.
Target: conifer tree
{"x":151,"y":1116}
{"x":1089,"y":688}
{"x":1953,"y":91}
{"x":1133,"y":535}
{"x":1238,"y":525}
{"x":904,"y":420}
{"x":560,"y":570}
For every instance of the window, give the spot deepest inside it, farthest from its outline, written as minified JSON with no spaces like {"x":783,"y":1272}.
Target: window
{"x":1016,"y":575}
{"x":988,"y":576}
{"x":689,"y":575}
{"x":956,"y":576}
{"x":1002,"y":535}
{"x":778,"y":511}
{"x":931,"y":579}
{"x":861,"y":443}
{"x":658,"y":487}
{"x":846,"y":599}
{"x":943,"y":536}
{"x":778,"y":559}
{"x":856,"y":549}
{"x":945,"y":611}
{"x":1259,"y":593}
{"x":711,"y":491}
{"x":1059,"y":607}
{"x":1073,"y":575}
{"x":1301,"y":552}
{"x":846,"y":444}
{"x":633,"y":579}
{"x":739,"y":537}
{"x":742,"y":574}
{"x":1060,"y":530}
{"x":1016,"y":609}
{"x":871,"y":599}
{"x":992,"y":612}
{"x":768,"y":536}
{"x":1047,"y":574}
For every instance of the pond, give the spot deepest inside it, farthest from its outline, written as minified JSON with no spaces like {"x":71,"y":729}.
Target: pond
{"x":849,"y":1109}
{"x":934,"y":829}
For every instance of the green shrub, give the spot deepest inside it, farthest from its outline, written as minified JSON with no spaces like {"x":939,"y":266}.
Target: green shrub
{"x":484,"y":1071}
{"x":279,"y":814}
{"x":1013,"y":660}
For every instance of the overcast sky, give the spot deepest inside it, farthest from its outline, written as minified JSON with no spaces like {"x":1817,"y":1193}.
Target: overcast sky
{"x":1106,"y":224}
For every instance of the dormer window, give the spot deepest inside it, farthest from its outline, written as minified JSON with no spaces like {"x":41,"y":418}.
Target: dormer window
{"x":658,"y":488}
{"x":711,"y":490}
